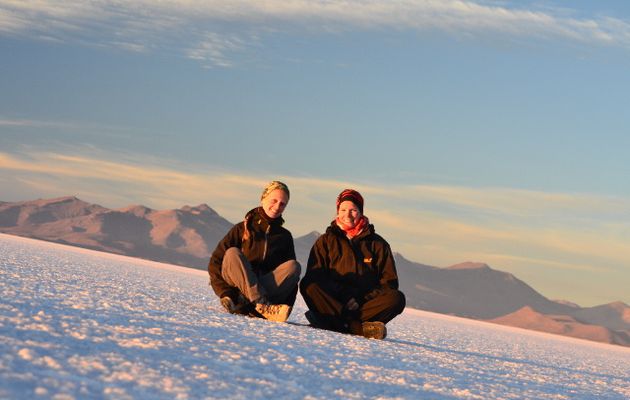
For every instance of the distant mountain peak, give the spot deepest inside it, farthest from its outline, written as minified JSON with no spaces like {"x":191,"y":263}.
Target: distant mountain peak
{"x":42,"y":211}
{"x":312,"y":235}
{"x":398,"y":255}
{"x":65,"y":199}
{"x":567,"y":303}
{"x":58,"y":200}
{"x":137,"y":210}
{"x":469,"y":265}
{"x":200,"y":209}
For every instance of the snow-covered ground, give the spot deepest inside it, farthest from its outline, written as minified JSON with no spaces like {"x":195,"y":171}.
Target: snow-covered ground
{"x":81,"y":324}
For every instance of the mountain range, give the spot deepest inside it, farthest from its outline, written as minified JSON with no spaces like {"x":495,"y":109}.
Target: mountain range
{"x":187,"y":236}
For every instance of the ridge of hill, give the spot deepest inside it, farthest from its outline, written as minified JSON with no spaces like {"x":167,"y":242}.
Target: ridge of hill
{"x":184,"y":236}
{"x":565,"y":325}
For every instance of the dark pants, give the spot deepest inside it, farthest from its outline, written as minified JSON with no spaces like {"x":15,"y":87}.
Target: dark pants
{"x":332,"y":314}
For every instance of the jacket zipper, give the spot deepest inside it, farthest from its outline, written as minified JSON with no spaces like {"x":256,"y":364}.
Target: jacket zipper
{"x":265,"y":248}
{"x":354,"y":253}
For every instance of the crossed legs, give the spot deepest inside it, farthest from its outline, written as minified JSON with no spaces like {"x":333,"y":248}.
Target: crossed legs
{"x":277,"y":286}
{"x":331,"y":314}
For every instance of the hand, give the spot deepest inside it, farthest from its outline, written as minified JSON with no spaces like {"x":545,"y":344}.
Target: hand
{"x":352,"y":304}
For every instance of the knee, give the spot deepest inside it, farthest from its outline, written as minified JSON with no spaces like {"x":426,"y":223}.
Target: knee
{"x":233,"y":260}
{"x":293,"y":273}
{"x":394,"y":300}
{"x":295,"y":269}
{"x":232,"y":252}
{"x":290,"y":271}
{"x":400,"y":301}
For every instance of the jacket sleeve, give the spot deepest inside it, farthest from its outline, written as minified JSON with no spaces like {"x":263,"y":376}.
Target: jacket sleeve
{"x":316,"y":262}
{"x":288,"y":250}
{"x":388,"y":279}
{"x":291,"y":248}
{"x":232,"y":239}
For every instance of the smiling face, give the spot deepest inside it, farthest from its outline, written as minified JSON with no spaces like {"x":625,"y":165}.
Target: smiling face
{"x":275,"y":203}
{"x":348,"y":214}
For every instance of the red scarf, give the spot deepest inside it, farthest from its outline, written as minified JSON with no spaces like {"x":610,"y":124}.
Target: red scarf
{"x":358,"y":228}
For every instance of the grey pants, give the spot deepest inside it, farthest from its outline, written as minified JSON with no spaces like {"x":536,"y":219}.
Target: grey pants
{"x":275,"y":285}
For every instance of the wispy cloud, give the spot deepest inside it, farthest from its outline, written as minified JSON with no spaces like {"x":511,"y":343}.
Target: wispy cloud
{"x":512,"y":203}
{"x":34,"y":123}
{"x":217,"y":26}
{"x":213,"y":49}
{"x":82,"y":126}
{"x":147,"y":179}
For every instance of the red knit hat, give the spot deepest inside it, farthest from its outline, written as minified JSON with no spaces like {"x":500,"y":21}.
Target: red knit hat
{"x":350,"y":195}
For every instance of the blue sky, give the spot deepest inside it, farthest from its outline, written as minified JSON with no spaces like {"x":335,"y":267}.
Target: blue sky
{"x":490,"y":131}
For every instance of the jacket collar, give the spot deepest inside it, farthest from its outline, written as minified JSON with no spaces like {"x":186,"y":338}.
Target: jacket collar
{"x":335,"y":229}
{"x":257,"y":217}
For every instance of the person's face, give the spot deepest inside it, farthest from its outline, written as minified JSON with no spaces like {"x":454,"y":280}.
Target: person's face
{"x":275,"y":203}
{"x":348,"y":214}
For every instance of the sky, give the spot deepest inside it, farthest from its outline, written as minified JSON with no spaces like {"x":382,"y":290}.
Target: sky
{"x":486,"y":131}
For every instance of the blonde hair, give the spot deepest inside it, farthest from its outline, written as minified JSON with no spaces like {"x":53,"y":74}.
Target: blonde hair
{"x":273,"y":185}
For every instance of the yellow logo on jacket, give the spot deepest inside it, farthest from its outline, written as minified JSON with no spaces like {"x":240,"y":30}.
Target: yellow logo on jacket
{"x":367,"y":260}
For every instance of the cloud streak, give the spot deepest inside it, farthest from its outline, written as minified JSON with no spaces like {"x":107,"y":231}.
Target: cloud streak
{"x":443,"y":217}
{"x":26,"y":123}
{"x":213,"y":49}
{"x":222,"y":29}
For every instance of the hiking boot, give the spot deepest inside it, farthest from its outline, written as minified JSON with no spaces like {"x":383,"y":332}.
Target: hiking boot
{"x":274,"y":312}
{"x":228,"y":304}
{"x":374,"y":330}
{"x":241,"y":306}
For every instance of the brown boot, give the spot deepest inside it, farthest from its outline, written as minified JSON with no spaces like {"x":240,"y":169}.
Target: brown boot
{"x":274,"y":312}
{"x":242,"y":305}
{"x":374,"y":330}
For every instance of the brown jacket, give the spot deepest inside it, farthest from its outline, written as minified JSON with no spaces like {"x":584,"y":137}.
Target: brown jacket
{"x":361,"y":267}
{"x":268,"y":246}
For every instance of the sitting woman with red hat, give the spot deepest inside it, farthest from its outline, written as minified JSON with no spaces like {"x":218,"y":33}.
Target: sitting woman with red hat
{"x":351,"y":284}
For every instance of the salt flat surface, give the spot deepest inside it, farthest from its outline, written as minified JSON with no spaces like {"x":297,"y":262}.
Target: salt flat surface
{"x":78,"y":324}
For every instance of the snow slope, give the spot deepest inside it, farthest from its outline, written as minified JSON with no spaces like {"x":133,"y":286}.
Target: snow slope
{"x":75,"y":323}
